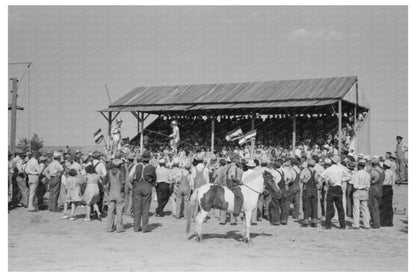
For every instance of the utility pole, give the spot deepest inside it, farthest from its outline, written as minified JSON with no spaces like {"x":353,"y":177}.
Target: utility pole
{"x":14,"y":114}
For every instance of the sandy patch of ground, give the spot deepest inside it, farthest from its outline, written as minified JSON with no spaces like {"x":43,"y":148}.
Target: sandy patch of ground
{"x":44,"y":242}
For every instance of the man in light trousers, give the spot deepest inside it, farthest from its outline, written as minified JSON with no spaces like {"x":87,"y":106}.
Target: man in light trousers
{"x":361,"y":183}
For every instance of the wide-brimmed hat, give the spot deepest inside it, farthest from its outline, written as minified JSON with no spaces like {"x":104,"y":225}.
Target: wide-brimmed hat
{"x":130,"y":157}
{"x":311,"y":162}
{"x":336,"y":159}
{"x":362,"y":162}
{"x":118,"y":120}
{"x":175,"y":161}
{"x":56,"y":154}
{"x":42,"y":158}
{"x":251,"y":163}
{"x":350,"y":165}
{"x":375,"y":161}
{"x":174,"y":122}
{"x":162,"y":161}
{"x":327,"y":161}
{"x":118,"y":154}
{"x":117,"y":162}
{"x":146,"y":156}
{"x":96,"y":155}
{"x":388,"y":163}
{"x":199,"y":158}
{"x":399,"y":137}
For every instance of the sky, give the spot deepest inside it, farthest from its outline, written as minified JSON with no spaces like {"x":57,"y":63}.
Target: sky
{"x":75,"y":50}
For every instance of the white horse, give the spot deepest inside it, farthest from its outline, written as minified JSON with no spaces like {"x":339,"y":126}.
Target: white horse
{"x":210,"y":196}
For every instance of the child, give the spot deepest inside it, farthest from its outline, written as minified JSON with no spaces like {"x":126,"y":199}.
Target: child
{"x":73,"y":194}
{"x":92,"y":192}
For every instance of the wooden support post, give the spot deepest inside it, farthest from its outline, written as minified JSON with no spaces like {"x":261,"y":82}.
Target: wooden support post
{"x":110,"y":121}
{"x":14,"y":116}
{"x":293,"y":134}
{"x":141,"y":132}
{"x":339,"y":125}
{"x":253,"y":141}
{"x":212,"y":134}
{"x":356,"y":105}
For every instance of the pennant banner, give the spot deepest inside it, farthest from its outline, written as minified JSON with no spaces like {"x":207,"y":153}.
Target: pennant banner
{"x":98,"y":136}
{"x":234,"y":134}
{"x":249,"y":136}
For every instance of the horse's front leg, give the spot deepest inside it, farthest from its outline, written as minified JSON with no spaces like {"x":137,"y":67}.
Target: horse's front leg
{"x":247,"y":224}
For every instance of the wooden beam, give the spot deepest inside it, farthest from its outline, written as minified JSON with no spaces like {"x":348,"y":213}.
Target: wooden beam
{"x":212,"y":134}
{"x":141,"y":132}
{"x":293,"y":133}
{"x":339,"y":125}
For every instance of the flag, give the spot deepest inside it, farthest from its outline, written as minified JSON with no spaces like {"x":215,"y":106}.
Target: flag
{"x":234,"y":134}
{"x":98,"y":136}
{"x":249,"y":136}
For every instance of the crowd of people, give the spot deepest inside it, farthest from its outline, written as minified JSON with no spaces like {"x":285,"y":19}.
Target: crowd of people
{"x":273,"y":131}
{"x":317,"y":181}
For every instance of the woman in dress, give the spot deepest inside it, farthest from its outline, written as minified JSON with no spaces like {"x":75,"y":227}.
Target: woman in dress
{"x":92,"y":192}
{"x":72,"y":193}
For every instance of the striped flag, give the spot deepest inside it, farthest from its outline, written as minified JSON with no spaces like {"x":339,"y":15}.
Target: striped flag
{"x":249,"y":136}
{"x":98,"y":136}
{"x":234,"y":134}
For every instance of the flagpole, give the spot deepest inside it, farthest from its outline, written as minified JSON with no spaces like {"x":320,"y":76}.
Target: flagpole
{"x":252,"y":147}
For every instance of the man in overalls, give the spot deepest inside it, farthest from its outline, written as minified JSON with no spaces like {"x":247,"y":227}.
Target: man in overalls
{"x":293,"y":195}
{"x":375,"y":191}
{"x":143,"y":176}
{"x":309,"y":195}
{"x":401,"y":160}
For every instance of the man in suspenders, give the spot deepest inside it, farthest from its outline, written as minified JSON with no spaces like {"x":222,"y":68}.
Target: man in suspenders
{"x":294,"y":189}
{"x":143,"y":177}
{"x":310,"y":195}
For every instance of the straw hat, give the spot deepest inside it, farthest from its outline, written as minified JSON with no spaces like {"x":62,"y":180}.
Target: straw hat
{"x":251,"y":163}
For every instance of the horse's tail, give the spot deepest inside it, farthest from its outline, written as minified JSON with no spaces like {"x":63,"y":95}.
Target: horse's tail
{"x":191,"y":210}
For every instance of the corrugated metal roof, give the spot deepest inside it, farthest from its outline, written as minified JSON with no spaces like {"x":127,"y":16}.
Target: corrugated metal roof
{"x":269,"y":94}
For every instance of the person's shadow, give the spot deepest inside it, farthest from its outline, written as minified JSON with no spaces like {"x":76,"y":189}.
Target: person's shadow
{"x":229,"y":235}
{"x":150,"y":227}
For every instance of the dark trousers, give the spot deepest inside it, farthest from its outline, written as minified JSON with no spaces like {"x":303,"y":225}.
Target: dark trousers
{"x":16,"y":195}
{"x":334,"y":195}
{"x":374,"y":200}
{"x":322,"y":201}
{"x":163,"y":194}
{"x":142,"y":195}
{"x":386,"y":207}
{"x":310,"y":205}
{"x":238,"y":198}
{"x":293,"y":196}
{"x":40,"y":192}
{"x":54,"y":188}
{"x":278,"y":212}
{"x":349,"y":199}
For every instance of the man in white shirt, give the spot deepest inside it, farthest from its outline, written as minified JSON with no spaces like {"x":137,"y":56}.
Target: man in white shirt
{"x":334,"y":176}
{"x":33,"y":171}
{"x":361,"y":184}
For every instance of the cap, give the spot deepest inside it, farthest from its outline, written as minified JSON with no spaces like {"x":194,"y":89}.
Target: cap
{"x":327,"y":161}
{"x":388,"y":163}
{"x":311,"y":162}
{"x":146,"y":156}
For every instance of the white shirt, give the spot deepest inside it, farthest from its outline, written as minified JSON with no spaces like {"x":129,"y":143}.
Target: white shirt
{"x":335,"y":174}
{"x":32,"y":167}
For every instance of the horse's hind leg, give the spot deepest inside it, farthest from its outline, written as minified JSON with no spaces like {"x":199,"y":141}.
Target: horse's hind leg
{"x":198,"y":224}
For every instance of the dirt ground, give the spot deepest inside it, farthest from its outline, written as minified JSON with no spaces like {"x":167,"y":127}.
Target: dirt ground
{"x":44,"y":242}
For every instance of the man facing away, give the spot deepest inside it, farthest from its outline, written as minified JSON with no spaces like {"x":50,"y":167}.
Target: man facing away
{"x":143,"y":176}
{"x":361,"y":184}
{"x":334,"y":175}
{"x":115,"y":182}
